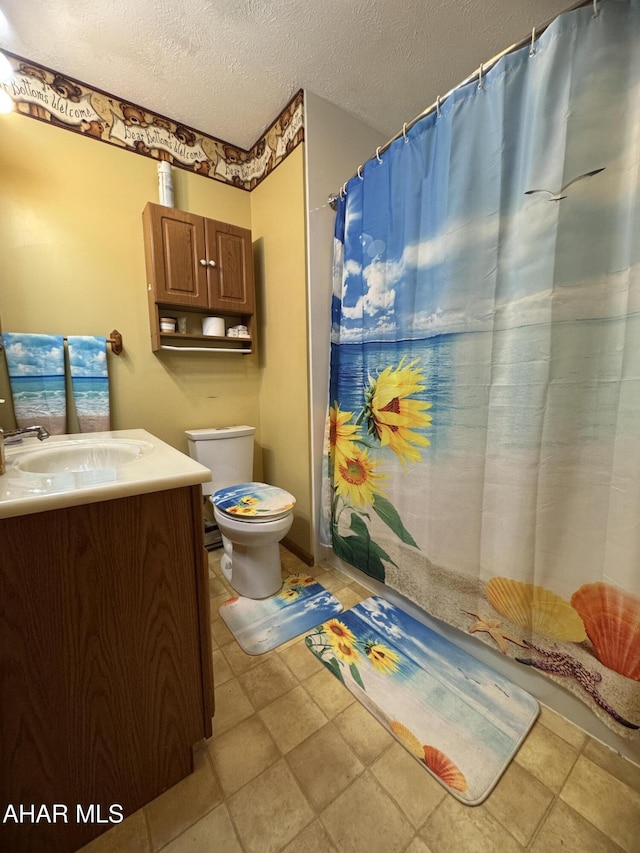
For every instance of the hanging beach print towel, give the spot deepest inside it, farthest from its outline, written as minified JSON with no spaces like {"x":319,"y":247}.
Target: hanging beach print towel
{"x":485,"y":369}
{"x":90,"y":381}
{"x":36,"y":373}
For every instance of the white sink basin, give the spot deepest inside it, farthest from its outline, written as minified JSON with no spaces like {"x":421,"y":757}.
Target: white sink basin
{"x":74,"y":457}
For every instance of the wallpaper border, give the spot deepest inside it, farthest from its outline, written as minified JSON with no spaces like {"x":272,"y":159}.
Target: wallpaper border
{"x":47,"y":95}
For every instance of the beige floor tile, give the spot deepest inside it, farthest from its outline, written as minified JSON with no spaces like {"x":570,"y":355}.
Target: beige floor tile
{"x":330,"y":694}
{"x":232,"y":706}
{"x":221,"y":634}
{"x":217,"y":587}
{"x":411,"y":786}
{"x":214,"y":606}
{"x":417,"y":846}
{"x":324,"y":766}
{"x":300,"y":660}
{"x":456,"y":828}
{"x":367,"y":737}
{"x":221,"y":669}
{"x":179,"y":807}
{"x":607,"y":803}
{"x":313,"y":839}
{"x":214,"y":642}
{"x":270,"y":811}
{"x":562,"y":727}
{"x":547,"y":757}
{"x":565,"y":831}
{"x":330,"y":581}
{"x":130,"y":836}
{"x":265,"y":683}
{"x":625,"y":771}
{"x":519,"y":801}
{"x":292,"y":718}
{"x":213,"y":832}
{"x":360,"y":590}
{"x":364,"y":818}
{"x":242,"y":753}
{"x":240,"y":661}
{"x":348,"y":597}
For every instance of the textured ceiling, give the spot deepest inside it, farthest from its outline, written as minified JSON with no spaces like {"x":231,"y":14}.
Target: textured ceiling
{"x":227,"y":67}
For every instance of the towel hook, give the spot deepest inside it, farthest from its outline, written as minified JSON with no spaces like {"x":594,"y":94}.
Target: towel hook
{"x":480,"y":83}
{"x":532,"y":50}
{"x":404,"y":132}
{"x":378,"y":157}
{"x":116,"y":342}
{"x":359,"y":175}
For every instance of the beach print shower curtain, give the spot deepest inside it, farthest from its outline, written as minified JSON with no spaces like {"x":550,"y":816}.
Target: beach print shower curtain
{"x":484,"y":421}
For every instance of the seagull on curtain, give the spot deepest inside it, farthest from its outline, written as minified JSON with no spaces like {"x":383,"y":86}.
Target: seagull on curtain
{"x":557,"y":196}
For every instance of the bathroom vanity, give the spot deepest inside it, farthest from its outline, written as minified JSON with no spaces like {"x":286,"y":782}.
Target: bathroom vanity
{"x":105,"y":675}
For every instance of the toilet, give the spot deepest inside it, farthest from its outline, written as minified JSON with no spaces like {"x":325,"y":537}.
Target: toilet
{"x":252,"y":517}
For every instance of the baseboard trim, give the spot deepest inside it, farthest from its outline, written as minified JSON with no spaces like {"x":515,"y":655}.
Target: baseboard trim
{"x":298,"y":551}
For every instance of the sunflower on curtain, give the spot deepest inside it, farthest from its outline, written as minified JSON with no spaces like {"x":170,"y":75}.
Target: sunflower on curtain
{"x":485,"y":361}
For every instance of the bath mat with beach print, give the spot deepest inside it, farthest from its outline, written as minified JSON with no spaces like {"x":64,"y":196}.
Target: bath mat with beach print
{"x":459,"y":718}
{"x":260,"y":625}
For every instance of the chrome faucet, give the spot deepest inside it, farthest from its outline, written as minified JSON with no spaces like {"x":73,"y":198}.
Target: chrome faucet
{"x":14,"y":436}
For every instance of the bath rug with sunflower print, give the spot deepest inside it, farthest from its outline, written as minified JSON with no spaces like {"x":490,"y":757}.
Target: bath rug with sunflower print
{"x":459,"y":718}
{"x":260,"y":625}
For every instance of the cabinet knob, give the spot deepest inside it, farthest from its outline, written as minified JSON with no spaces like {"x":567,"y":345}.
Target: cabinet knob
{"x":212,"y":263}
{"x":203,"y":263}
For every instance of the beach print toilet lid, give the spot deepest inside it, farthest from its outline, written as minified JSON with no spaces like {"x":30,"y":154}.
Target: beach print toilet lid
{"x":255,"y":501}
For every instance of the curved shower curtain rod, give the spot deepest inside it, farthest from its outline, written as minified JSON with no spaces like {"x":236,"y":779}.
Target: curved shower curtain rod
{"x":477,"y":75}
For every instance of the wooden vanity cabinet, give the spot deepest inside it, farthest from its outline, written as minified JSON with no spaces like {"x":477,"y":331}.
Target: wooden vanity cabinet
{"x":105,"y":678}
{"x":196,"y":264}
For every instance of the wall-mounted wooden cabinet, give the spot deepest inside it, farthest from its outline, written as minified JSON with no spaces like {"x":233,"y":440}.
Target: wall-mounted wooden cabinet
{"x":197,"y":266}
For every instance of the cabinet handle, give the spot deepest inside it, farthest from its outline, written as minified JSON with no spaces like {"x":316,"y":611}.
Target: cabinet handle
{"x":203,"y":263}
{"x":212,"y":263}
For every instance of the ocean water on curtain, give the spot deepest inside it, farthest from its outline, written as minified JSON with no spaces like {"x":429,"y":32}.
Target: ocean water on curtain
{"x":496,"y":411}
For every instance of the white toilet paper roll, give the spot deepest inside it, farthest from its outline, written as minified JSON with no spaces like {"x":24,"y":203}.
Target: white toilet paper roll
{"x":213,"y":326}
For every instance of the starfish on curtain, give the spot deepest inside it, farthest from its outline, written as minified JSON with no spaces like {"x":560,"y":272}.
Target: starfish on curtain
{"x":559,"y":663}
{"x":494,"y":629}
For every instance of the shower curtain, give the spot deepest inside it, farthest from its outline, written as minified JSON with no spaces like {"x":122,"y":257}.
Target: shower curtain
{"x":484,"y":421}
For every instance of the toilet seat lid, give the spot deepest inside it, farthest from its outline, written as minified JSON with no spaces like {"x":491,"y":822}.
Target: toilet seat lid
{"x":253,"y":501}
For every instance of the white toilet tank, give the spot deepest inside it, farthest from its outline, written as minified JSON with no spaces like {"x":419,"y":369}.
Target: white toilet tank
{"x":226,"y":451}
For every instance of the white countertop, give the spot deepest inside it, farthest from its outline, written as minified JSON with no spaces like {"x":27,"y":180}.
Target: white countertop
{"x":156,"y":466}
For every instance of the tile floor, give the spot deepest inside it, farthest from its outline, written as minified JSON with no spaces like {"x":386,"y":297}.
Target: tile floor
{"x":296,"y":765}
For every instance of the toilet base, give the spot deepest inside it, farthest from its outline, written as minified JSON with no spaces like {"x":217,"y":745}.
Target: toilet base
{"x":252,"y":572}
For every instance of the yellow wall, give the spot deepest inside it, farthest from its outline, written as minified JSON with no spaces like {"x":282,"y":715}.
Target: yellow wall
{"x":278,"y":230}
{"x":72,"y":262}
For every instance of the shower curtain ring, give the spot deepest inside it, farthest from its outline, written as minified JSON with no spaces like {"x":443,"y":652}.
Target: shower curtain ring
{"x":596,"y":11}
{"x":359,"y":175}
{"x":343,"y":190}
{"x":532,"y":51}
{"x":378,"y":157}
{"x":404,"y":132}
{"x":480,"y":84}
{"x":438,"y":106}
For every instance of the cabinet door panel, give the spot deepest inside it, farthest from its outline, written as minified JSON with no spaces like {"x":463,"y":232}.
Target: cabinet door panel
{"x":178,"y":246}
{"x":231,"y":286}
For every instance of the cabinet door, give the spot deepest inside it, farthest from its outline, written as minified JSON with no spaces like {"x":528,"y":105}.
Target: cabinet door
{"x":176,"y":256}
{"x":231,"y":286}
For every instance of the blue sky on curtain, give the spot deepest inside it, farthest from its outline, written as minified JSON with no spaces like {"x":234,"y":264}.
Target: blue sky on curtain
{"x":485,"y":367}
